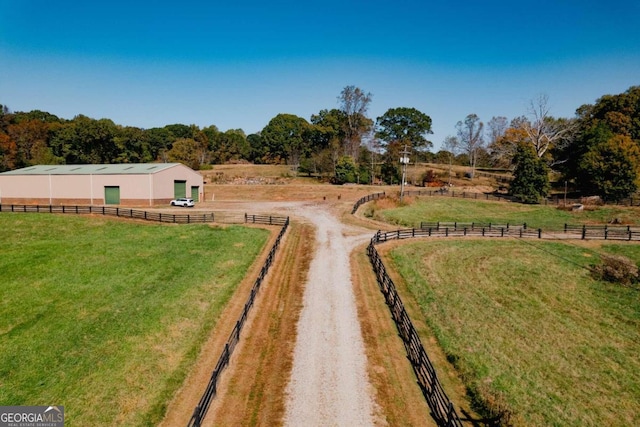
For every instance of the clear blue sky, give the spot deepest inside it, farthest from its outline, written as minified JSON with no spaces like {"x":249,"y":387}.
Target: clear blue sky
{"x":237,"y":64}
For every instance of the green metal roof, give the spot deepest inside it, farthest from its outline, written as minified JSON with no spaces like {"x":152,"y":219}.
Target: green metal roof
{"x":116,"y":169}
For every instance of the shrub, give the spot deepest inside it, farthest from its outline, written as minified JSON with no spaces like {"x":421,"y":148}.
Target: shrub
{"x":617,"y":269}
{"x":429,"y":176}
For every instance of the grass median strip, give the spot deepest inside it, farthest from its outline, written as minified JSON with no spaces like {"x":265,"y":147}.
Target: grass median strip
{"x":532,"y":333}
{"x":104,"y":316}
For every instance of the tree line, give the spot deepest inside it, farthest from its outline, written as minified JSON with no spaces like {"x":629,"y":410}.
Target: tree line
{"x":597,"y":151}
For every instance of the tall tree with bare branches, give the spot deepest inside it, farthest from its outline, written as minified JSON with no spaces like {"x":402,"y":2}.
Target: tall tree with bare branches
{"x":354,"y":103}
{"x":543,"y":131}
{"x":470,"y":137}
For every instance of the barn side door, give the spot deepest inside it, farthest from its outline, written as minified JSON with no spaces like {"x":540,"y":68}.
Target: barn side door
{"x":179,"y":189}
{"x":111,"y":195}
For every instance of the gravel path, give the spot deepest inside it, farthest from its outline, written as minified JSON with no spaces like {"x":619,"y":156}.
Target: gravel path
{"x":329,"y":384}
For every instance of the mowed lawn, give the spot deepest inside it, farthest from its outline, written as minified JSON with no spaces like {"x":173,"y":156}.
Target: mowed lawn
{"x":106,"y":317}
{"x":449,"y":209}
{"x":528,"y":328}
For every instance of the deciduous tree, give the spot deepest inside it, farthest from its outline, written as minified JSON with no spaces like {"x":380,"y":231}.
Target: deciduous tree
{"x":354,"y":103}
{"x":286,"y":137}
{"x":611,"y":169}
{"x":407,"y":126}
{"x":186,"y":151}
{"x":471,"y":140}
{"x":544,"y":131}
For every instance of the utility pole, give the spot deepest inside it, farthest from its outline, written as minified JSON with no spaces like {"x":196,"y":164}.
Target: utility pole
{"x":404,"y":161}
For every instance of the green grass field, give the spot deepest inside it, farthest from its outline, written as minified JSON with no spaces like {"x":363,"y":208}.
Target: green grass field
{"x":528,"y":328}
{"x":106,"y":317}
{"x":449,"y":209}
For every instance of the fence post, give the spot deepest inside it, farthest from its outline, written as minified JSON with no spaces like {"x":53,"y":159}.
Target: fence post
{"x":539,"y":233}
{"x":584,"y":232}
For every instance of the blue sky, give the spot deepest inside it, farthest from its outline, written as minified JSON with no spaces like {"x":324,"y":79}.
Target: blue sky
{"x":239,"y":64}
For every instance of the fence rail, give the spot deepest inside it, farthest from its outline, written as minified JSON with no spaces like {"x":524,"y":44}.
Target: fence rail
{"x":187,"y":218}
{"x":441,"y":407}
{"x":210,"y":392}
{"x":265,"y":219}
{"x":114,"y":211}
{"x":365,"y":199}
{"x":556,"y":199}
{"x":584,"y":232}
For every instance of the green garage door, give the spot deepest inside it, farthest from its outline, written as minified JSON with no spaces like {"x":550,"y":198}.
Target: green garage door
{"x":179,"y":189}
{"x":111,"y":195}
{"x":195,"y":193}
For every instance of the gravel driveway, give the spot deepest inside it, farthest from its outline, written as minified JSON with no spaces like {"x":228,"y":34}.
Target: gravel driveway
{"x":329,"y":384}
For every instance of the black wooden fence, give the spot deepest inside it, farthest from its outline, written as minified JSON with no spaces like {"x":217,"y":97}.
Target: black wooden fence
{"x":556,"y":199}
{"x":266,"y":219}
{"x":186,"y":218}
{"x":441,"y":407}
{"x":447,"y":192}
{"x":210,"y":392}
{"x":365,"y":199}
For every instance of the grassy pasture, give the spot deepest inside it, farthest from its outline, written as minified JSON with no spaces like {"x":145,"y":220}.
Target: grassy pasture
{"x":106,"y":317}
{"x":528,"y":328}
{"x":449,"y":209}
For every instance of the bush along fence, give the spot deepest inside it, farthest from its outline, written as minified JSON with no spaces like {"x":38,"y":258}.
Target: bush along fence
{"x":115,"y":211}
{"x":441,"y":407}
{"x":210,"y":392}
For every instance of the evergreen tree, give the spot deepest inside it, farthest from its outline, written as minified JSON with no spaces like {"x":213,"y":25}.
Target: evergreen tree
{"x":531,"y":176}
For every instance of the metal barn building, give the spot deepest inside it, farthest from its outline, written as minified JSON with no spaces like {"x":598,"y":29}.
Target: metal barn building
{"x":132,"y":184}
